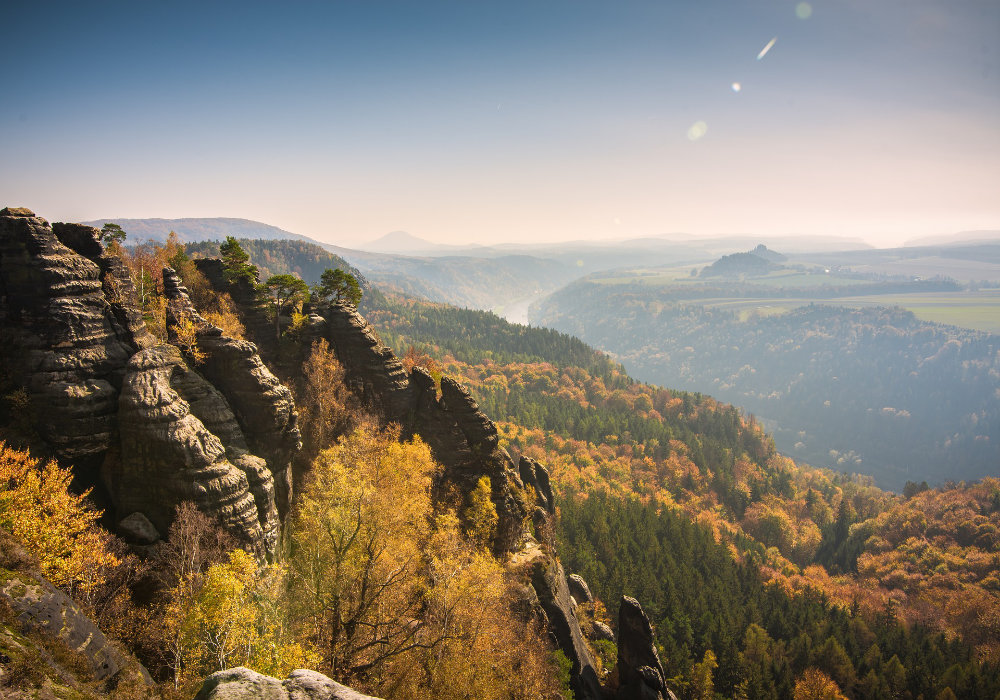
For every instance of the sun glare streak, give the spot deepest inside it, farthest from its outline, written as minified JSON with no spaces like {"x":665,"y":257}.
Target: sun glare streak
{"x":767,"y":47}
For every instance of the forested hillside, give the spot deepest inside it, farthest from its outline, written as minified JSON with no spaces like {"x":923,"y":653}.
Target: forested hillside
{"x":872,"y":390}
{"x":279,"y":257}
{"x":773,"y":567}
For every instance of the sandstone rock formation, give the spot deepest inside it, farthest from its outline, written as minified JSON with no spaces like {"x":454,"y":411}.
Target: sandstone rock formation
{"x":40,"y":606}
{"x":243,"y":684}
{"x":465,"y":441}
{"x":130,"y":416}
{"x":640,"y":673}
{"x":262,"y":405}
{"x":181,"y":442}
{"x":66,"y":331}
{"x":549,"y":581}
{"x":579,"y":589}
{"x":536,"y":476}
{"x":460,"y":436}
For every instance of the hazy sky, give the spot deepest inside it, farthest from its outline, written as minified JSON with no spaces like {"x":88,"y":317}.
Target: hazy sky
{"x":509,"y":121}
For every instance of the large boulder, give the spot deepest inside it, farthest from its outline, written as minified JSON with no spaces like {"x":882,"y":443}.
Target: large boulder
{"x":579,"y":589}
{"x":243,"y":684}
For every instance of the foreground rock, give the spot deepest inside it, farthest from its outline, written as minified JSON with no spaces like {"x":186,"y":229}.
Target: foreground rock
{"x":40,"y":606}
{"x":243,"y":684}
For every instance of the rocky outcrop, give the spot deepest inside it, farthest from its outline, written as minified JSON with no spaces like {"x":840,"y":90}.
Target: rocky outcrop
{"x":640,"y":673}
{"x":372,"y":369}
{"x":549,"y":581}
{"x":536,"y":476}
{"x":461,"y":437}
{"x":66,"y":331}
{"x":131,"y":417}
{"x":40,"y":606}
{"x":243,"y":684}
{"x":181,"y":442}
{"x":262,"y":405}
{"x":579,"y":589}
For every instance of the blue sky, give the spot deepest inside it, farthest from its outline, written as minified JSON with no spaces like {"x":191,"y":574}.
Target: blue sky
{"x":509,"y":121}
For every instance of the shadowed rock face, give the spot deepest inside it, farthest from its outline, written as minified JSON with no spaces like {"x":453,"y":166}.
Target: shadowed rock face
{"x":128,"y":414}
{"x":460,"y":436}
{"x":549,"y":582}
{"x":640,"y":673}
{"x":535,"y":475}
{"x":262,"y":405}
{"x":169,"y":454}
{"x":64,"y":337}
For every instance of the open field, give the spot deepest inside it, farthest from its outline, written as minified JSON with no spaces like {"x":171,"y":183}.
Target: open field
{"x":976,"y":310}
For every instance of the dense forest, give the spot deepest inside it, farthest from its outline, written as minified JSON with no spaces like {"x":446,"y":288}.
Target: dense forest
{"x":901,"y":590}
{"x":872,"y":390}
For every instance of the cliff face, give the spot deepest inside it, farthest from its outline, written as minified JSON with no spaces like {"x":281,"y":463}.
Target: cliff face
{"x":130,"y":415}
{"x":67,"y":335}
{"x":464,"y":440}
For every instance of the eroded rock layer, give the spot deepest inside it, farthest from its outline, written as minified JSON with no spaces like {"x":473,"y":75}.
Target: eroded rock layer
{"x":262,"y":404}
{"x":169,"y":456}
{"x":128,"y":415}
{"x":62,"y":338}
{"x":461,"y":437}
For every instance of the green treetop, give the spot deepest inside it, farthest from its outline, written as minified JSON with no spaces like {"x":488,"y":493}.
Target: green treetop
{"x":111,"y":233}
{"x":236,"y":263}
{"x":340,"y":286}
{"x":283,"y":293}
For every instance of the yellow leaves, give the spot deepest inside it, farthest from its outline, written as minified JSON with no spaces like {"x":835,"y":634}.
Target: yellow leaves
{"x":816,"y":685}
{"x":229,"y":617}
{"x":54,"y":524}
{"x":481,"y":514}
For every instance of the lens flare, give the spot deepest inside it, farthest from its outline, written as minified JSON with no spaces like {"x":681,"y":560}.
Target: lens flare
{"x":736,"y":87}
{"x":803,"y":10}
{"x":697,"y":131}
{"x":767,"y":47}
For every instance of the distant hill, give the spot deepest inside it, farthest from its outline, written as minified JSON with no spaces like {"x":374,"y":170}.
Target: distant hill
{"x":758,"y":261}
{"x":960,"y":237}
{"x":199,"y":229}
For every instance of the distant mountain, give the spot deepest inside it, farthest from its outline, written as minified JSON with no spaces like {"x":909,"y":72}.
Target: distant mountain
{"x":951,"y":238}
{"x":404,"y":243}
{"x":199,"y":229}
